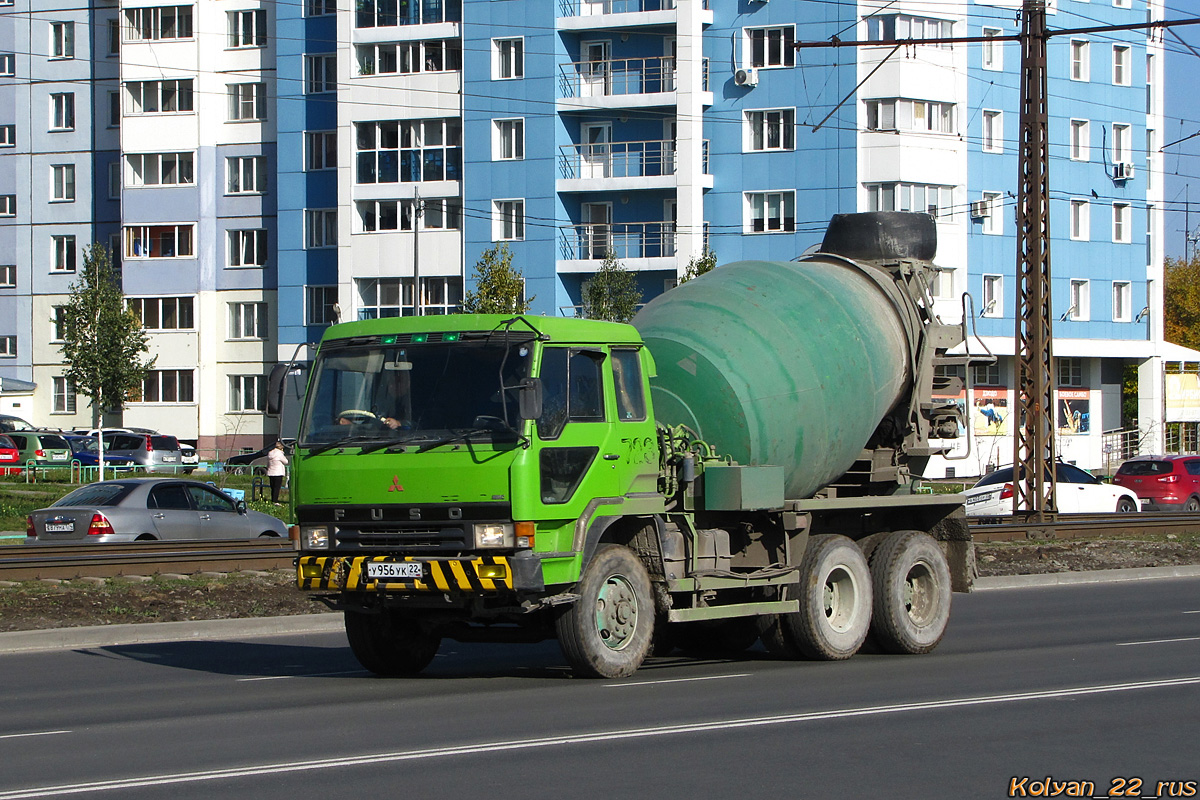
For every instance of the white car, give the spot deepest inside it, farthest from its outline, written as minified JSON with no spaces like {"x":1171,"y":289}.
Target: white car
{"x":1077,"y":492}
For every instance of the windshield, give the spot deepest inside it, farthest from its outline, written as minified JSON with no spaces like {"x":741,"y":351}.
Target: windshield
{"x":381,"y":392}
{"x":1145,"y":468}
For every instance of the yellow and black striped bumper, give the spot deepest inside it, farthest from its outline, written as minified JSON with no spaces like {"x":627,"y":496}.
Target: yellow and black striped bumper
{"x":349,"y":573}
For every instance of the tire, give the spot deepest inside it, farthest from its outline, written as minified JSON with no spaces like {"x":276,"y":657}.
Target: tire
{"x":268,"y":535}
{"x":911,"y":584}
{"x":389,"y":644}
{"x":1192,"y":504}
{"x":716,"y":639}
{"x":607,"y":632}
{"x":835,"y":604}
{"x":1126,"y":506}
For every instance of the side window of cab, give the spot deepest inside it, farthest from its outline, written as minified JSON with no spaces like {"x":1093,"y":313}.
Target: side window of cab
{"x":572,"y":389}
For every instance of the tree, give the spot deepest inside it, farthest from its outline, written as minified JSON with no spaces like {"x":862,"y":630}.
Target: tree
{"x":499,"y":287}
{"x":103,"y":341}
{"x":1181,"y":301}
{"x":698,"y":265}
{"x":612,"y":293}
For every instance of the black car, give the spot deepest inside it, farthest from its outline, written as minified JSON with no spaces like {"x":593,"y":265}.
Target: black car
{"x":248,"y":463}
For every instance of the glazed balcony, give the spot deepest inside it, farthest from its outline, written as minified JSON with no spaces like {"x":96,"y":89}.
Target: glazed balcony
{"x":620,"y":82}
{"x":616,"y":14}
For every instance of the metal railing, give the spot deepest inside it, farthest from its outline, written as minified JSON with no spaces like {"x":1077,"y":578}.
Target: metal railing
{"x":623,"y":239}
{"x":617,"y":76}
{"x":641,"y":159}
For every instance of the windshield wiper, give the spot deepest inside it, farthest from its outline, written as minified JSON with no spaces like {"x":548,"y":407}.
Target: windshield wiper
{"x":345,"y":440}
{"x":393,"y":442}
{"x":454,"y":437}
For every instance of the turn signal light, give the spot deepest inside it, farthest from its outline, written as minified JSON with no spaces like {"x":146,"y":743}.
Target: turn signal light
{"x":524,"y":531}
{"x":99,"y":526}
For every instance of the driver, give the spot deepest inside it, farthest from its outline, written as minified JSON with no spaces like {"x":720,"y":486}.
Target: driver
{"x":351,"y":418}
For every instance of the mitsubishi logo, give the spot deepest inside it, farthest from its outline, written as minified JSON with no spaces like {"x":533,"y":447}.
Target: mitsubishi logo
{"x":395,"y":487}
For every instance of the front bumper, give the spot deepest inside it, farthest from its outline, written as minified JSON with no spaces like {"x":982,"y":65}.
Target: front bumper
{"x":455,"y":575}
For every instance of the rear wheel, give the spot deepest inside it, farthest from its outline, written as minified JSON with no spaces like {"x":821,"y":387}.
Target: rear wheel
{"x":606,"y":633}
{"x":1192,"y":504}
{"x":389,"y":644}
{"x":911,"y":583}
{"x":1125,"y":506}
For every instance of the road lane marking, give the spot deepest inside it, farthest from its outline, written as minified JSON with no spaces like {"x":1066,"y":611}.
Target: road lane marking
{"x":26,"y":735}
{"x":302,"y":675}
{"x":677,"y":680}
{"x":605,"y":736}
{"x":1160,"y":641}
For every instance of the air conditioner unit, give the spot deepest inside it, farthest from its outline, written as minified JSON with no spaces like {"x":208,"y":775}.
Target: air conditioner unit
{"x":981,"y":209}
{"x":1122,"y":171}
{"x":746,"y":77}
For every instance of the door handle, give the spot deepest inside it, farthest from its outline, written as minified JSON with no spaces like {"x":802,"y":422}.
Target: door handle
{"x":160,"y":516}
{"x":205,"y":517}
{"x":611,"y":456}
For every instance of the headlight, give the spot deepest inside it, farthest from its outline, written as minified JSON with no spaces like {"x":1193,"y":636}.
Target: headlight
{"x":494,"y":534}
{"x":314,"y":537}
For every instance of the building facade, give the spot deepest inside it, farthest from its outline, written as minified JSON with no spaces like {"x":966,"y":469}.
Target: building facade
{"x":357,"y":162}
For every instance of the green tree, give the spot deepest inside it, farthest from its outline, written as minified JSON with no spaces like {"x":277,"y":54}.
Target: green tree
{"x":612,"y":293}
{"x":103,"y":341}
{"x":499,"y":286}
{"x":1181,"y":301}
{"x":698,"y":265}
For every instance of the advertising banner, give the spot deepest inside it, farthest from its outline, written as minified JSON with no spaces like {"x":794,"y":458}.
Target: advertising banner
{"x":1183,"y":397}
{"x":990,"y":414}
{"x":1074,"y":411}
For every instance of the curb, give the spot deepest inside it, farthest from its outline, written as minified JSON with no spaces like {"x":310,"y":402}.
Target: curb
{"x":330,"y":622}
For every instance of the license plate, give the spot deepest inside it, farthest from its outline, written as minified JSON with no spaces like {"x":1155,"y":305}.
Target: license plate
{"x":58,"y":456}
{"x":7,"y":457}
{"x":60,"y":527}
{"x":394,"y":569}
{"x":168,"y":459}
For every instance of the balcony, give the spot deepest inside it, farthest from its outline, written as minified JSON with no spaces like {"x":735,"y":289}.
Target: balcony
{"x":612,"y":166}
{"x":628,"y":240}
{"x":620,"y":82}
{"x":591,"y":14}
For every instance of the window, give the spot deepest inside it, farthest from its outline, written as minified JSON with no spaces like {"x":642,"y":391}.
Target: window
{"x":1122,"y":143}
{"x":771,"y":47}
{"x":247,"y":320}
{"x":62,"y":183}
{"x":407,"y":58}
{"x":248,"y":248}
{"x":986,"y":374}
{"x":114,"y":181}
{"x":158,"y":97}
{"x":441,"y":296}
{"x":159,"y":169}
{"x":114,"y":109}
{"x":393,"y":297}
{"x":935,"y":200}
{"x":1081,"y":301}
{"x":64,"y":395}
{"x":8,"y":275}
{"x":409,"y":151}
{"x":1081,"y":215}
{"x":1120,"y":223}
{"x":770,"y":212}
{"x":993,"y":132}
{"x":1151,"y":146}
{"x":384,"y":13}
{"x":320,"y":150}
{"x":993,"y":296}
{"x":320,"y":228}
{"x":163,"y":313}
{"x":993,"y":221}
{"x":8,"y":205}
{"x":627,"y":384}
{"x":1122,"y":3}
{"x":771,"y":129}
{"x":1070,"y":371}
{"x":904,"y":26}
{"x":247,"y":101}
{"x":320,"y":74}
{"x":1151,"y":216}
{"x":1080,"y":140}
{"x":247,"y":28}
{"x":246,"y":175}
{"x":114,"y":36}
{"x":62,"y":111}
{"x":58,"y":323}
{"x":320,"y":8}
{"x":159,"y":241}
{"x":1080,"y":62}
{"x":1120,"y":67}
{"x":154,"y":24}
{"x":62,"y":253}
{"x":8,"y":346}
{"x":8,"y":135}
{"x":168,"y":386}
{"x":1151,"y":79}
{"x":993,"y":52}
{"x":508,"y":139}
{"x":508,"y":220}
{"x":247,"y":393}
{"x":436,"y":213}
{"x":508,"y":59}
{"x":320,"y":305}
{"x":62,"y":39}
{"x":910,"y":115}
{"x":8,"y":65}
{"x":1121,"y":299}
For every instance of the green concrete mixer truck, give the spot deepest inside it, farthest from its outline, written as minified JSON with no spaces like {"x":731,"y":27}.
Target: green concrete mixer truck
{"x":735,"y":465}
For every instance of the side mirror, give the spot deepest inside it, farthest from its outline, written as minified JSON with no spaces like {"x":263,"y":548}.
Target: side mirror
{"x":529,"y":399}
{"x":276,"y":381}
{"x":240,"y":505}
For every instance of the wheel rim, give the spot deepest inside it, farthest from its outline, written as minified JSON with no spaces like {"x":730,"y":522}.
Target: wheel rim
{"x":920,"y":594}
{"x":841,"y":599}
{"x":616,"y":612}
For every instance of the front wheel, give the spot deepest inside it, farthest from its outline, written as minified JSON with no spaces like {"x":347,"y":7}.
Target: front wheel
{"x":606,"y":633}
{"x":389,"y":644}
{"x":1126,"y":506}
{"x":911,"y":582}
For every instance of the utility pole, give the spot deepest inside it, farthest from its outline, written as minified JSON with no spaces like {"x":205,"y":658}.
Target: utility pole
{"x":418,"y":212}
{"x":1033,"y":444}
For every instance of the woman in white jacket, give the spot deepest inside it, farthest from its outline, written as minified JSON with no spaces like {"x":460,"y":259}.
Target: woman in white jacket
{"x":276,"y":468}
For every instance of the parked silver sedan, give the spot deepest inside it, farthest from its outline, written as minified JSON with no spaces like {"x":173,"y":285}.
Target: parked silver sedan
{"x":137,"y":509}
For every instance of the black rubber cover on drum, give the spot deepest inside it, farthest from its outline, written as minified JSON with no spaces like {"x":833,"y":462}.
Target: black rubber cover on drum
{"x":881,"y":236}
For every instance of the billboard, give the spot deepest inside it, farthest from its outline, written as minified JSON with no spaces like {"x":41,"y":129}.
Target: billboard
{"x":989,"y":416}
{"x":1074,"y":411}
{"x":1182,"y":393}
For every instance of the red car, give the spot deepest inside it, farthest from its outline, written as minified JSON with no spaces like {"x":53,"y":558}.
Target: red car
{"x":1163,"y":483}
{"x":10,"y":457}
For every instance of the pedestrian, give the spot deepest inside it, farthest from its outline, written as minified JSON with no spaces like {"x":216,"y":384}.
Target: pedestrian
{"x":276,"y":469}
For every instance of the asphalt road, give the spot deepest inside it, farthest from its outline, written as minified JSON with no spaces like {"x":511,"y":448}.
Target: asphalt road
{"x":1075,"y":683}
